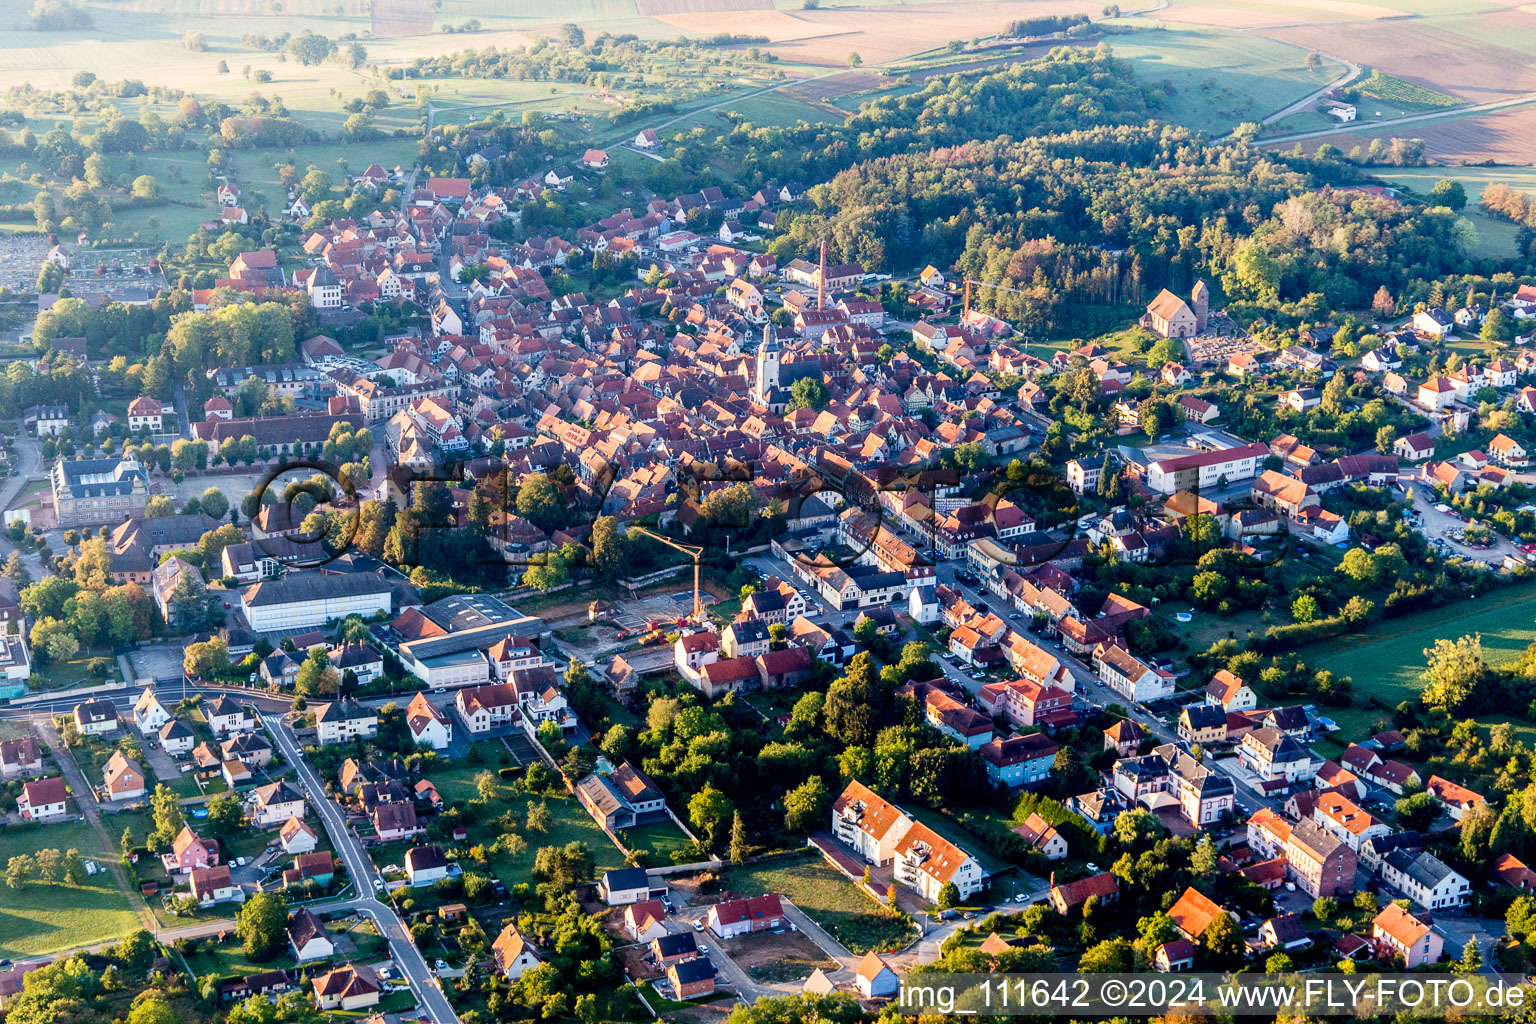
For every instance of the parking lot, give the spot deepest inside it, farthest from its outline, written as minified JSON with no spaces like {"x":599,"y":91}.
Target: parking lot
{"x":1443,"y":527}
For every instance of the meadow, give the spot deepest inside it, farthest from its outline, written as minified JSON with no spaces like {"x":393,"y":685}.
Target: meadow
{"x":1219,"y":78}
{"x":40,"y":917}
{"x":1498,"y":238}
{"x":1386,"y":663}
{"x":810,"y":884}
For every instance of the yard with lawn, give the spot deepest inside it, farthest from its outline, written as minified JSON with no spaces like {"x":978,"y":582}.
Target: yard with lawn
{"x":568,"y":822}
{"x":658,"y":841}
{"x":45,"y":917}
{"x":832,"y":900}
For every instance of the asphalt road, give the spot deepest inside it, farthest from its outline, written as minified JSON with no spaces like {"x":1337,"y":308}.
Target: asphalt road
{"x":413,"y":966}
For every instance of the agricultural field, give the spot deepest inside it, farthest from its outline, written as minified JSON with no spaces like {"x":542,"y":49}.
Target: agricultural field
{"x":1499,"y":136}
{"x":40,"y":917}
{"x":1219,"y":78}
{"x":1267,"y":13}
{"x":1475,"y":59}
{"x":825,"y":38}
{"x":809,"y":883}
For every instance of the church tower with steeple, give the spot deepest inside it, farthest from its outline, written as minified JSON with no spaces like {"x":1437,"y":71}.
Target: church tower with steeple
{"x":768,"y":355}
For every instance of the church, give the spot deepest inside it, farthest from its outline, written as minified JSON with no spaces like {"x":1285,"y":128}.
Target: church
{"x":1171,"y":317}
{"x":775,"y":377}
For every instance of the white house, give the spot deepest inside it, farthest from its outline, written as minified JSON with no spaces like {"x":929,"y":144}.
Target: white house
{"x":214,"y":885}
{"x":148,"y":713}
{"x":923,"y":605}
{"x":95,"y":718}
{"x":342,"y":721}
{"x":425,"y":865}
{"x":43,"y":799}
{"x":875,"y":979}
{"x":514,"y":955}
{"x":1129,"y":676}
{"x":623,"y":886}
{"x":275,"y":803}
{"x":1434,"y":322}
{"x":428,"y":724}
{"x":297,"y":837}
{"x":308,"y":938}
{"x":225,"y":717}
{"x":304,"y":600}
{"x":1425,"y":879}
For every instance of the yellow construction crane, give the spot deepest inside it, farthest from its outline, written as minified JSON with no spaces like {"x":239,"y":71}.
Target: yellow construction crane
{"x":692,"y":552}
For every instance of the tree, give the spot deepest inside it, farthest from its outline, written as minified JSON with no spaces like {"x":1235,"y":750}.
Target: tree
{"x":1386,"y":437}
{"x":16,"y":570}
{"x":169,"y":821}
{"x":215,"y":504}
{"x":160,"y":505}
{"x":949,"y":896}
{"x":1223,"y":941}
{"x":1278,"y":963}
{"x":74,"y":867}
{"x":1113,"y":956}
{"x":566,"y":866}
{"x":1304,"y":608}
{"x":19,"y":869}
{"x":1324,"y":907}
{"x":1496,"y":329}
{"x":1453,"y":671}
{"x":809,"y":393}
{"x":854,"y":60}
{"x":608,"y":555}
{"x":1417,"y":811}
{"x":806,"y":805}
{"x":54,"y":640}
{"x":1471,"y":961}
{"x":194,"y":41}
{"x":1448,"y":192}
{"x":539,"y":502}
{"x":146,"y":187}
{"x":539,"y":817}
{"x":262,"y":925}
{"x":738,"y":852}
{"x":309,"y":48}
{"x":1138,"y":828}
{"x":316,"y":677}
{"x":225,"y":815}
{"x":1477,"y":827}
{"x":1520,"y":918}
{"x":151,"y":1009}
{"x":1382,"y":303}
{"x":707,"y":808}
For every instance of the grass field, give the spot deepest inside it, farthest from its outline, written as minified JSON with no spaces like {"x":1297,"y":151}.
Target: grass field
{"x":810,"y":884}
{"x":40,"y":917}
{"x":1386,"y":662}
{"x":659,"y":840}
{"x":1220,"y":78}
{"x":569,"y":822}
{"x":1496,"y":237}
